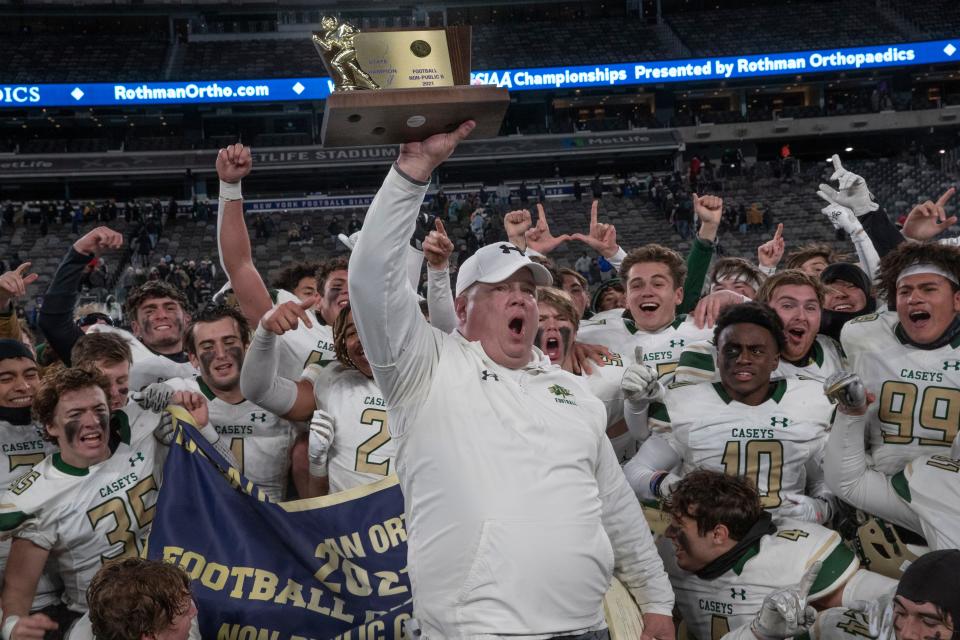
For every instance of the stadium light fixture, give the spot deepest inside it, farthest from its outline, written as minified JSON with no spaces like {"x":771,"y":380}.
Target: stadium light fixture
{"x":942,"y":151}
{"x":848,"y":149}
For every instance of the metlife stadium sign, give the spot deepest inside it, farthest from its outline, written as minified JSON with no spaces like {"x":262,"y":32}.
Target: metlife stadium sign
{"x":530,"y":79}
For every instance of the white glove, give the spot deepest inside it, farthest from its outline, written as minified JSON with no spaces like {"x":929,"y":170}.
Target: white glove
{"x":853,"y":192}
{"x":640,"y":382}
{"x":320,"y":439}
{"x":349,"y":241}
{"x":154,"y":397}
{"x":784,"y":613}
{"x":807,"y":508}
{"x":841,"y":217}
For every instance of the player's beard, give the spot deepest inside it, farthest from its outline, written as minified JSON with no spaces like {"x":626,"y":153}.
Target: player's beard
{"x":166,"y":341}
{"x":206,"y":366}
{"x":71,"y":428}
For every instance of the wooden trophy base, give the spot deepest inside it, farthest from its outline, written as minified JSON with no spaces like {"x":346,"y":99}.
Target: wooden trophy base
{"x":393,"y":116}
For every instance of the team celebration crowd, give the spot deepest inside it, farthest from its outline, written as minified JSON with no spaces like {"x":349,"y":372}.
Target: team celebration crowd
{"x":751,"y":449}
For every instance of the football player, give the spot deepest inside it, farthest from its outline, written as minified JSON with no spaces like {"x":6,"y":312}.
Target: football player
{"x":92,"y":500}
{"x":349,"y":442}
{"x":110,"y":354}
{"x":260,"y":440}
{"x":654,"y":277}
{"x":910,"y":358}
{"x":20,"y":440}
{"x":923,"y":497}
{"x":724,"y":555}
{"x":771,"y":431}
{"x":158,"y":318}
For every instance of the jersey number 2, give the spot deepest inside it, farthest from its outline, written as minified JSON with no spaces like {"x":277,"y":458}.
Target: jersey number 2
{"x":374,"y":442}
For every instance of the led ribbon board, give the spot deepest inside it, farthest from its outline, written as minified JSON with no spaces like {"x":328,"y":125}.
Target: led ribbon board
{"x":525,"y":79}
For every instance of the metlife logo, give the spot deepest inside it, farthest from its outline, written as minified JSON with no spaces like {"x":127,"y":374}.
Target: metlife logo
{"x":19,"y":94}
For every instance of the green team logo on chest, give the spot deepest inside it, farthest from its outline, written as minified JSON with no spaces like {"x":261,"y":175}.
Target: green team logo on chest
{"x":782,"y":423}
{"x":679,"y":342}
{"x":561,"y":394}
{"x":951,"y":365}
{"x":258,"y":416}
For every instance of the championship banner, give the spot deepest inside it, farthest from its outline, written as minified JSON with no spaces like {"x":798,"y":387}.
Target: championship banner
{"x":322,"y":568}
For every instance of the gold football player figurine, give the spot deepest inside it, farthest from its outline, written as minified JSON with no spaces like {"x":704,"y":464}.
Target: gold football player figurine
{"x":336,"y":47}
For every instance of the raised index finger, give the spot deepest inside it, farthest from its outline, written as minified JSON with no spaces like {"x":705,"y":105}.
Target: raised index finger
{"x":541,"y":215}
{"x":22,"y":269}
{"x":779,"y":232}
{"x":837,"y":165}
{"x":439,"y":226}
{"x":945,"y":198}
{"x":594,"y":209}
{"x":809,"y":577}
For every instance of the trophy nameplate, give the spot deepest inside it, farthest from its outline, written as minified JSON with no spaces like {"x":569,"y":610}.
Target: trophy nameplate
{"x":397,"y":85}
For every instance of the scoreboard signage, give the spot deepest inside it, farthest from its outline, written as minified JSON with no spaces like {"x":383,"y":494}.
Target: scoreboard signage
{"x":522,"y":79}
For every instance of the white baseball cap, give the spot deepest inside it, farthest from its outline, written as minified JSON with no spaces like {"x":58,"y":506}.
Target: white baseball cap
{"x":495,"y":263}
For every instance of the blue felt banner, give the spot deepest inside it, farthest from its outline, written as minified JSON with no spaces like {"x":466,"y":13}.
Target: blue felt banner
{"x":323,"y":568}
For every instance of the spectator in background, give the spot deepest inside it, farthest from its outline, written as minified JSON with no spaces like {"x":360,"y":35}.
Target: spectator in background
{"x":597,"y":187}
{"x":684,"y":217}
{"x":306,"y":233}
{"x":577,"y":191}
{"x":334,"y":229}
{"x":754,"y":217}
{"x":440,"y":203}
{"x":606,"y":269}
{"x":582,"y":265}
{"x":354,"y":225}
{"x":524,"y":194}
{"x":503,"y":195}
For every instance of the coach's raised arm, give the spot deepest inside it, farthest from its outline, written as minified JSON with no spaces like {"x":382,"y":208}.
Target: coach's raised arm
{"x":517,"y":512}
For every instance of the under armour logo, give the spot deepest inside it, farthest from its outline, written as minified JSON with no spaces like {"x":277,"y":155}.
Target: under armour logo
{"x":951,"y":364}
{"x":135,"y":459}
{"x":258,"y":417}
{"x":486,"y":374}
{"x":507,"y":248}
{"x":742,"y":595}
{"x":783,"y":423}
{"x":676,"y":343}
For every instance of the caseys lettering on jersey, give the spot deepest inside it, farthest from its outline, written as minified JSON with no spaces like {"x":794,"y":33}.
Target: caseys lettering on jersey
{"x":30,"y":445}
{"x":374,"y":401}
{"x":234,"y":429}
{"x":744,"y":432}
{"x":925,"y":376}
{"x":716,"y":607}
{"x":119,"y":484}
{"x":657,"y":356}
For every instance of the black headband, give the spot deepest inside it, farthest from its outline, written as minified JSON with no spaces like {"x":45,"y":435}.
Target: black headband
{"x":15,"y":349}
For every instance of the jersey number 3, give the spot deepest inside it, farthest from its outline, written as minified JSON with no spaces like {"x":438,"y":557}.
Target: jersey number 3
{"x":123,"y":532}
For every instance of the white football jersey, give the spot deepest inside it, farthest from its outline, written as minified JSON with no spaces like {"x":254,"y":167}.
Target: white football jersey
{"x":698,"y":362}
{"x":303,"y":346}
{"x":259,"y":440}
{"x":711,"y":608}
{"x":86,"y":516}
{"x":23,"y":448}
{"x":930,"y":485}
{"x":661,"y":349}
{"x":362,"y":450}
{"x":771,"y":443}
{"x":917,"y":411}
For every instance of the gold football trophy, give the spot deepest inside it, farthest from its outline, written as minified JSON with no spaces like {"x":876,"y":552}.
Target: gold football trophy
{"x":393,"y":86}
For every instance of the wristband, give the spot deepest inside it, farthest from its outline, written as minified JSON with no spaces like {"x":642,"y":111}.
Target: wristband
{"x":656,"y":481}
{"x":230,"y":191}
{"x":8,"y":625}
{"x":210,"y":434}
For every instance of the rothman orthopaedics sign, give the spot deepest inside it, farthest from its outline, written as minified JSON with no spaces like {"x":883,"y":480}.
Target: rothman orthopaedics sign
{"x":526,"y":79}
